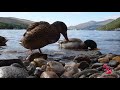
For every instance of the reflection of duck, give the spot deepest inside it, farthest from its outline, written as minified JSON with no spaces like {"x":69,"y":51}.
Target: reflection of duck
{"x":40,"y":34}
{"x":74,"y":43}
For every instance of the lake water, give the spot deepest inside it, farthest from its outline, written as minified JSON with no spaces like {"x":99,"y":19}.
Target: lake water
{"x":107,"y":41}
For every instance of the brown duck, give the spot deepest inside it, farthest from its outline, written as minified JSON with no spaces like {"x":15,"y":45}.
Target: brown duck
{"x":40,"y":34}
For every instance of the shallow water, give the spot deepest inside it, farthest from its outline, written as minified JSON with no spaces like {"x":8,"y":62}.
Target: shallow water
{"x":107,"y":41}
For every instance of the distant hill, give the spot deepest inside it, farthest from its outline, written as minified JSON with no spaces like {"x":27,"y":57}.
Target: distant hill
{"x":114,"y":25}
{"x":13,"y":23}
{"x":91,"y":25}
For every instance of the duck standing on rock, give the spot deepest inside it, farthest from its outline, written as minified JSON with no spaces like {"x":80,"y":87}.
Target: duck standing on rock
{"x":40,"y":34}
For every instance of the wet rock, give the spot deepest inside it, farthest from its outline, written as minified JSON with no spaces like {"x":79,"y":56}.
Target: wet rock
{"x":66,"y":75}
{"x":80,"y":58}
{"x":83,"y":65}
{"x":96,"y":65}
{"x":95,"y":75}
{"x":71,"y":69}
{"x":69,"y":72}
{"x":117,"y":68}
{"x":117,"y":58}
{"x":95,"y":60}
{"x":26,"y":63}
{"x":38,"y":72}
{"x":55,"y":67}
{"x":62,"y":63}
{"x":74,"y":43}
{"x":16,"y":65}
{"x":31,"y":77}
{"x":3,"y":41}
{"x":71,"y":63}
{"x":43,"y":67}
{"x":82,"y":76}
{"x":13,"y":72}
{"x":49,"y":74}
{"x":34,"y":63}
{"x":40,"y":61}
{"x":36,"y":55}
{"x":112,"y":75}
{"x":86,"y":72}
{"x":100,"y":68}
{"x":110,"y":56}
{"x":31,"y":68}
{"x":8,"y":62}
{"x":103,"y":60}
{"x":113,"y":63}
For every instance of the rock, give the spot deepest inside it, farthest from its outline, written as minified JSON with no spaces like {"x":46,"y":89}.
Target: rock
{"x":3,"y":41}
{"x":8,"y":62}
{"x":117,"y":68}
{"x":49,"y":74}
{"x":16,"y":65}
{"x":74,"y":43}
{"x":71,"y":69}
{"x":55,"y":67}
{"x":82,"y":76}
{"x":83,"y":65}
{"x":95,"y":60}
{"x":26,"y":63}
{"x":38,"y":72}
{"x":116,"y":58}
{"x":96,"y":65}
{"x":71,"y":63}
{"x":86,"y":72}
{"x":95,"y":75}
{"x":34,"y":63}
{"x":13,"y":72}
{"x":69,"y":72}
{"x":100,"y":68}
{"x":80,"y":58}
{"x":43,"y":67}
{"x":103,"y":60}
{"x":66,"y":75}
{"x":112,"y":75}
{"x":62,"y":63}
{"x":31,"y":68}
{"x":36,"y":55}
{"x":113,"y":63}
{"x":110,"y":56}
{"x":40,"y":61}
{"x":31,"y":77}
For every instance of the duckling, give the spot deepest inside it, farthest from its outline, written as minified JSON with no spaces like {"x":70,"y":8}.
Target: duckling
{"x":40,"y":34}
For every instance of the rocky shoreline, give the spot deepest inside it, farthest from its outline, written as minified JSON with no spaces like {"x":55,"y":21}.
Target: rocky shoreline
{"x":62,"y":64}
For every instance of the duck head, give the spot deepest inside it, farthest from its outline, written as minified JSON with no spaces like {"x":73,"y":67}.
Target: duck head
{"x":61,"y":28}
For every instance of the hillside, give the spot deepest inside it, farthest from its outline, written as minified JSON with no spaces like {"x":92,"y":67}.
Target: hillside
{"x":114,"y":25}
{"x":91,"y":25}
{"x":13,"y":23}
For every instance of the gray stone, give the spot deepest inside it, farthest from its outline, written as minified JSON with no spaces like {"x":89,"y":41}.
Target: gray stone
{"x":113,"y":63}
{"x":13,"y":72}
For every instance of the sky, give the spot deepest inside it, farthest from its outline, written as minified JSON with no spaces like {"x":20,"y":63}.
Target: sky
{"x":70,"y":18}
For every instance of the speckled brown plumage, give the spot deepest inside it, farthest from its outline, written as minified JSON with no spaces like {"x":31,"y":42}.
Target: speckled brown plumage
{"x":40,"y":34}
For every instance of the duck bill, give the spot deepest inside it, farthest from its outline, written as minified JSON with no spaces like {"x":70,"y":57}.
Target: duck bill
{"x":65,"y":36}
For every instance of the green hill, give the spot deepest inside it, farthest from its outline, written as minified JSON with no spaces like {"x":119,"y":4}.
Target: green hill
{"x":14,"y":23}
{"x":12,"y":26}
{"x":114,"y":25}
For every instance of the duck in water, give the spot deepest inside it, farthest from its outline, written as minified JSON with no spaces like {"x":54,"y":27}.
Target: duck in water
{"x":40,"y":34}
